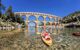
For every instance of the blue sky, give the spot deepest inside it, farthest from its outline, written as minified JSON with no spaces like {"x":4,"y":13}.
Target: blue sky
{"x":56,"y":7}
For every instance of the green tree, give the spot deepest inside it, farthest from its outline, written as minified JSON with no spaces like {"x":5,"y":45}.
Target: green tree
{"x":10,"y":14}
{"x":4,"y":17}
{"x":2,"y":7}
{"x":19,"y":19}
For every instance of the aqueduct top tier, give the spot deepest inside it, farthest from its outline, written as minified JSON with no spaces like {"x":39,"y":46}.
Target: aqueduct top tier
{"x":37,"y":14}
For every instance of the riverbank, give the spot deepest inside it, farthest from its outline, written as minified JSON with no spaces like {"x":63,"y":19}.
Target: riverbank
{"x":18,"y":41}
{"x":8,"y":33}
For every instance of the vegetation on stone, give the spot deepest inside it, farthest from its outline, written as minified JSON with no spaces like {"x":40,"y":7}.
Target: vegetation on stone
{"x":8,"y":17}
{"x":73,"y":17}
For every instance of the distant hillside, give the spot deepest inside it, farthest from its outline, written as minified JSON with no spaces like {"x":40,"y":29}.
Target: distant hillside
{"x":73,"y":17}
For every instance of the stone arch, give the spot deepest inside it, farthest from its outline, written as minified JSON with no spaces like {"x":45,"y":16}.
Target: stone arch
{"x":56,"y":19}
{"x":48,"y":27}
{"x":24,"y":17}
{"x":47,"y":19}
{"x":31,"y":18}
{"x":41,"y":18}
{"x":40,"y":23}
{"x":31,"y":27}
{"x":40,"y":26}
{"x":52,"y":19}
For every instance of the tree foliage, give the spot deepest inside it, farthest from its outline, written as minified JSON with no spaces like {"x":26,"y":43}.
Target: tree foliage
{"x":9,"y":15}
{"x":2,"y":7}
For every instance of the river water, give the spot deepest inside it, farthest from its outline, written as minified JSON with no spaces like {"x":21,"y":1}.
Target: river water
{"x":62,"y":40}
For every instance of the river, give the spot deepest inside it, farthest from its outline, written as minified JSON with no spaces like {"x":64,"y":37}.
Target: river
{"x":63,"y":40}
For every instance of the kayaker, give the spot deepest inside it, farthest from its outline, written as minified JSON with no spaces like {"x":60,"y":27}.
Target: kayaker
{"x":45,"y":35}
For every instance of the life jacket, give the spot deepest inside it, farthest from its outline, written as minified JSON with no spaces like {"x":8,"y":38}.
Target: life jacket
{"x":45,"y":34}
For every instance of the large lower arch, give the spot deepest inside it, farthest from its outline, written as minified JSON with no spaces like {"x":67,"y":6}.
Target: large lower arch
{"x":40,"y":27}
{"x":31,"y":27}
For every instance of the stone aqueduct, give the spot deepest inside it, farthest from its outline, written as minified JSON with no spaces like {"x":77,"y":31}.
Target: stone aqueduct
{"x":53,"y":24}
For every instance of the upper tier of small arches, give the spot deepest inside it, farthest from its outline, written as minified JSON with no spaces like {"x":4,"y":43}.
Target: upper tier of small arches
{"x":38,"y":16}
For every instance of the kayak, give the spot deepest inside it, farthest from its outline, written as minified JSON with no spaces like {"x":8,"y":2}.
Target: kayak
{"x":76,"y":33}
{"x":47,"y":41}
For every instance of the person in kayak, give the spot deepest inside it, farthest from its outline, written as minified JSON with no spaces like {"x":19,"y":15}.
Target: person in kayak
{"x":46,"y":35}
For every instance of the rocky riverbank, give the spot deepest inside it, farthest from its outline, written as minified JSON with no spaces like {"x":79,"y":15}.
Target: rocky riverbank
{"x":34,"y":42}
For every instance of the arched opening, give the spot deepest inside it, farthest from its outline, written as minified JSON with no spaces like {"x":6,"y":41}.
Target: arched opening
{"x":31,"y":18}
{"x":24,"y":17}
{"x":52,"y":19}
{"x":31,"y":27}
{"x":40,"y":27}
{"x":41,"y":18}
{"x":48,"y":27}
{"x":47,"y":19}
{"x":56,"y":19}
{"x":40,"y":24}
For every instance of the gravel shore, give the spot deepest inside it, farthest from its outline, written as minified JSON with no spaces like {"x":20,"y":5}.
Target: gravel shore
{"x":34,"y":42}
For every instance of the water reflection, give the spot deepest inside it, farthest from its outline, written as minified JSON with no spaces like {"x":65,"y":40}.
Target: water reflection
{"x":31,"y":29}
{"x":48,"y":29}
{"x":64,"y":39}
{"x":40,"y":29}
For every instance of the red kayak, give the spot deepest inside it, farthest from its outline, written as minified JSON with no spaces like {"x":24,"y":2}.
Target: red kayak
{"x":46,"y":38}
{"x":76,"y":33}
